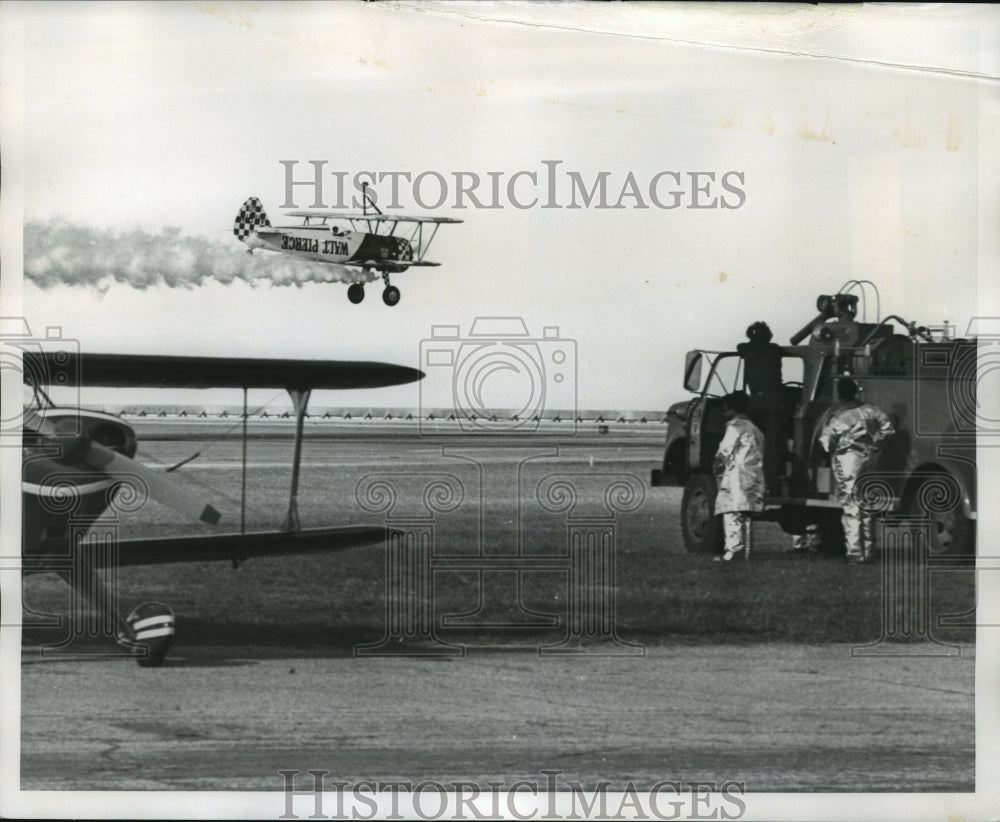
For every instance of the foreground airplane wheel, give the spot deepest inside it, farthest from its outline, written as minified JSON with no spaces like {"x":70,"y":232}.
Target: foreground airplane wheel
{"x":701,"y":529}
{"x":152,"y":625}
{"x":391,"y":295}
{"x":356,"y":293}
{"x":157,"y":653}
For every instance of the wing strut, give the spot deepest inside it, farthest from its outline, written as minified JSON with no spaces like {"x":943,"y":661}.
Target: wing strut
{"x":243,"y":489}
{"x":300,"y":400}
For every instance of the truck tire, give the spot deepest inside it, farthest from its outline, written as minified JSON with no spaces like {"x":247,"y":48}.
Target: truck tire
{"x":952,"y":533}
{"x":701,"y":529}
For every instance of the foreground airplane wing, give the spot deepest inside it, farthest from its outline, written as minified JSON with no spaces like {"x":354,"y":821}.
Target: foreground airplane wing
{"x":72,"y":457}
{"x":237,"y":547}
{"x":155,"y":371}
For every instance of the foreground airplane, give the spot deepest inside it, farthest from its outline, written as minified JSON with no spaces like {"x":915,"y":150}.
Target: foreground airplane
{"x":367,"y":241}
{"x":77,"y":463}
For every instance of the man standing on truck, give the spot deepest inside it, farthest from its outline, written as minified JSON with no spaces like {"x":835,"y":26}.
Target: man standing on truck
{"x":739,"y":471}
{"x":852,"y":436}
{"x":762,"y":367}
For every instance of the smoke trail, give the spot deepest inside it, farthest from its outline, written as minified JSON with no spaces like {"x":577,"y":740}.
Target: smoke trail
{"x":56,"y":253}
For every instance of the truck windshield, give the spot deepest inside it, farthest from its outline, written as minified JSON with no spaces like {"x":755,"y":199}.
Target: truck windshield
{"x":726,"y":375}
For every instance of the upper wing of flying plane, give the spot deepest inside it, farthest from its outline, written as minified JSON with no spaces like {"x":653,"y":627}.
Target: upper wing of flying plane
{"x":354,"y":215}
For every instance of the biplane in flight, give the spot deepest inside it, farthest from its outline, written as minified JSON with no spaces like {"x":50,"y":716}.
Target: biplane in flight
{"x":77,"y":463}
{"x":367,"y":241}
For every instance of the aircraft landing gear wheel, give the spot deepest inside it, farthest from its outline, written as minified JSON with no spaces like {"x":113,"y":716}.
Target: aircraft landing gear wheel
{"x":356,"y":292}
{"x":157,"y":652}
{"x":152,"y":626}
{"x":391,"y":295}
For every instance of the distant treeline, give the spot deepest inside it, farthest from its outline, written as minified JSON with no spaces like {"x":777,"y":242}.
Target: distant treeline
{"x":354,"y":413}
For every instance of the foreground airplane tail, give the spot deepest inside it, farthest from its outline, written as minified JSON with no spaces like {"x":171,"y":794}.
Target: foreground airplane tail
{"x":250,"y":216}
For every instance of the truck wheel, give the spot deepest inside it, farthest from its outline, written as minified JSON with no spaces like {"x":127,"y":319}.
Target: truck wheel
{"x":951,"y":532}
{"x":701,"y":528}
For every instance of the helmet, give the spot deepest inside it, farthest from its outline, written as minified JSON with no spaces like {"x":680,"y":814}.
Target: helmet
{"x":847,"y":389}
{"x":759,"y":332}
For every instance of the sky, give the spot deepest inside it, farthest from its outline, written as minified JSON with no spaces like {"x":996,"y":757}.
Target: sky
{"x":854,"y":142}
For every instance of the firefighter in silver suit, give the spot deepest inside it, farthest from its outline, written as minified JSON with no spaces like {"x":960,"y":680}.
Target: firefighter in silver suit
{"x":739,"y":470}
{"x":852,"y":436}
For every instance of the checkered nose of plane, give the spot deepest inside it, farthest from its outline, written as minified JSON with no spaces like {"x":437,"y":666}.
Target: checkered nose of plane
{"x":401,"y":249}
{"x":250,"y":216}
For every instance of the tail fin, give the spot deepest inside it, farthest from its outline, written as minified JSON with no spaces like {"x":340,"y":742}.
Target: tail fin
{"x":250,"y":216}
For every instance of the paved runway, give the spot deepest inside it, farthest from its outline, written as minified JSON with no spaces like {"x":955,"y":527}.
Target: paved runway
{"x":776,"y":717}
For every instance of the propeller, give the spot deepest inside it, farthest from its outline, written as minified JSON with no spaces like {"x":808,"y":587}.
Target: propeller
{"x":162,"y":489}
{"x":79,"y":447}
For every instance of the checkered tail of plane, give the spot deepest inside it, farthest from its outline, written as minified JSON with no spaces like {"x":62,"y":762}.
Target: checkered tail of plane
{"x":251,"y":215}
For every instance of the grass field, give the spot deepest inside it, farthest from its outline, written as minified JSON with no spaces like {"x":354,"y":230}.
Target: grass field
{"x":329,"y":603}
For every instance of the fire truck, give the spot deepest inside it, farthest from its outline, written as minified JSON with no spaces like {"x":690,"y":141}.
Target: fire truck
{"x":924,"y":379}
